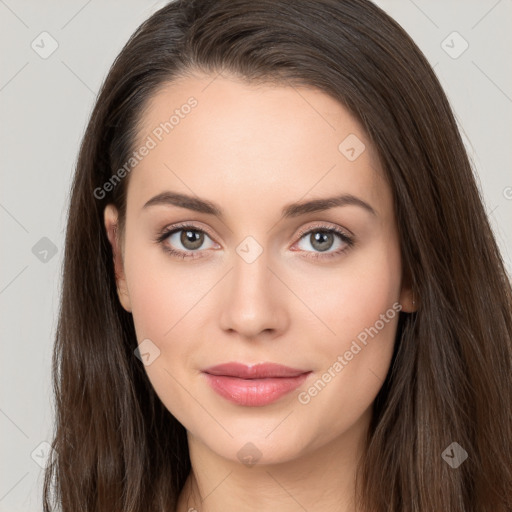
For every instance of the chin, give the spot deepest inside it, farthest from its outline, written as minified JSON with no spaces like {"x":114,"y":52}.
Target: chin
{"x":252,"y":447}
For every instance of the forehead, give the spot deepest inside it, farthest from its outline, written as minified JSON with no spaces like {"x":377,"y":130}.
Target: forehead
{"x":222,"y":138}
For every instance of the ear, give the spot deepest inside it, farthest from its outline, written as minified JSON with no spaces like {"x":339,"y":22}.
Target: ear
{"x":111,"y":226}
{"x":407,"y":299}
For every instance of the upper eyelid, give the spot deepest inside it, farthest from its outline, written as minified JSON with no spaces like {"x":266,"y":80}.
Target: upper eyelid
{"x":183,"y":226}
{"x":300,"y":233}
{"x":321,"y":226}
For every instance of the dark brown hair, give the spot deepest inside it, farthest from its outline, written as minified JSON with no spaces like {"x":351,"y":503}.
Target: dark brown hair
{"x":116,"y":447}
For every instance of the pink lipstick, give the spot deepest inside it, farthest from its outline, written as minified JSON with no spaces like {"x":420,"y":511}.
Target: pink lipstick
{"x":254,"y":386}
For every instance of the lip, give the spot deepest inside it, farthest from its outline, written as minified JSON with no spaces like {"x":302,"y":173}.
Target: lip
{"x":256,"y":385}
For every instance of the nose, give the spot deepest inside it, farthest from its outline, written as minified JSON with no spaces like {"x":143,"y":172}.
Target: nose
{"x":253,"y":302}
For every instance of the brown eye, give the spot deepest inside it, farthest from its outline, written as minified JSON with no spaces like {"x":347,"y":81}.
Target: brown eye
{"x":191,"y":239}
{"x":321,"y":239}
{"x":185,"y":240}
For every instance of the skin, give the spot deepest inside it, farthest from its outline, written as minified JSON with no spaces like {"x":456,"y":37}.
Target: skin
{"x":252,"y":150}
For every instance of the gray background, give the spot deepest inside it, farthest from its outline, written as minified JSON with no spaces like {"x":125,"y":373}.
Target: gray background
{"x":44,"y":107}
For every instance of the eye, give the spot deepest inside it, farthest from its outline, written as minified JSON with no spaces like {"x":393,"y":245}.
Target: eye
{"x":324,"y":238}
{"x":187,"y":240}
{"x":183,"y":240}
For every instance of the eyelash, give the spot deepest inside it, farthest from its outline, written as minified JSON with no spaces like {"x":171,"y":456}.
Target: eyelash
{"x":167,"y":232}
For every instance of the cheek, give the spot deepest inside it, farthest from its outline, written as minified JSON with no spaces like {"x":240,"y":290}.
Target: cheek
{"x":161,"y":291}
{"x":360,"y":304}
{"x":166,"y":307}
{"x":351,"y":297}
{"x":165,"y":304}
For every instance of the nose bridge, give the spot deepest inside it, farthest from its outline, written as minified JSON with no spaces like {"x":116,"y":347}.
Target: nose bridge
{"x":250,"y":270}
{"x":252,"y":303}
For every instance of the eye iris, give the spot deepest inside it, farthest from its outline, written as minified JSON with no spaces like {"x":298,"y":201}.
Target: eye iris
{"x":194,"y":238}
{"x":319,"y":238}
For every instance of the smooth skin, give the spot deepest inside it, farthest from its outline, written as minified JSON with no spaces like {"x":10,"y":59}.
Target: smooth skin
{"x":252,"y":150}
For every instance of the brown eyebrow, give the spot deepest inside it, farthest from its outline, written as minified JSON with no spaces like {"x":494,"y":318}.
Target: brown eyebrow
{"x":318,"y":205}
{"x":289,"y":211}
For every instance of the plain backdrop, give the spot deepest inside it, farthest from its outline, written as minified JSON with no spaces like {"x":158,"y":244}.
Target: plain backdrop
{"x":45,"y":102}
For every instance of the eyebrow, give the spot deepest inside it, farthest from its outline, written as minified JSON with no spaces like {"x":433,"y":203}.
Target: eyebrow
{"x":289,"y":211}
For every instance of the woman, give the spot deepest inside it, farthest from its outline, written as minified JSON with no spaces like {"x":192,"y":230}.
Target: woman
{"x":281,"y":290}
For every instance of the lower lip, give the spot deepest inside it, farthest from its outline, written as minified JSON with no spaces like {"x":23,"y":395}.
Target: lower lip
{"x":254,"y":392}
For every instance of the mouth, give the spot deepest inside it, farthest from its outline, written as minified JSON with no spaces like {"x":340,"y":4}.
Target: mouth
{"x":254,"y":386}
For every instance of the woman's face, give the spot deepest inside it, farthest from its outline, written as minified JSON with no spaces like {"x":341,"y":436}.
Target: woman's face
{"x":249,"y":283}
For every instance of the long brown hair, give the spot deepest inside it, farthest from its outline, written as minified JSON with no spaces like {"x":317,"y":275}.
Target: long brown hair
{"x":116,"y":447}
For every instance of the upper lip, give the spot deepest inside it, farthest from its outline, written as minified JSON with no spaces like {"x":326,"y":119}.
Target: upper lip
{"x":258,"y":371}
